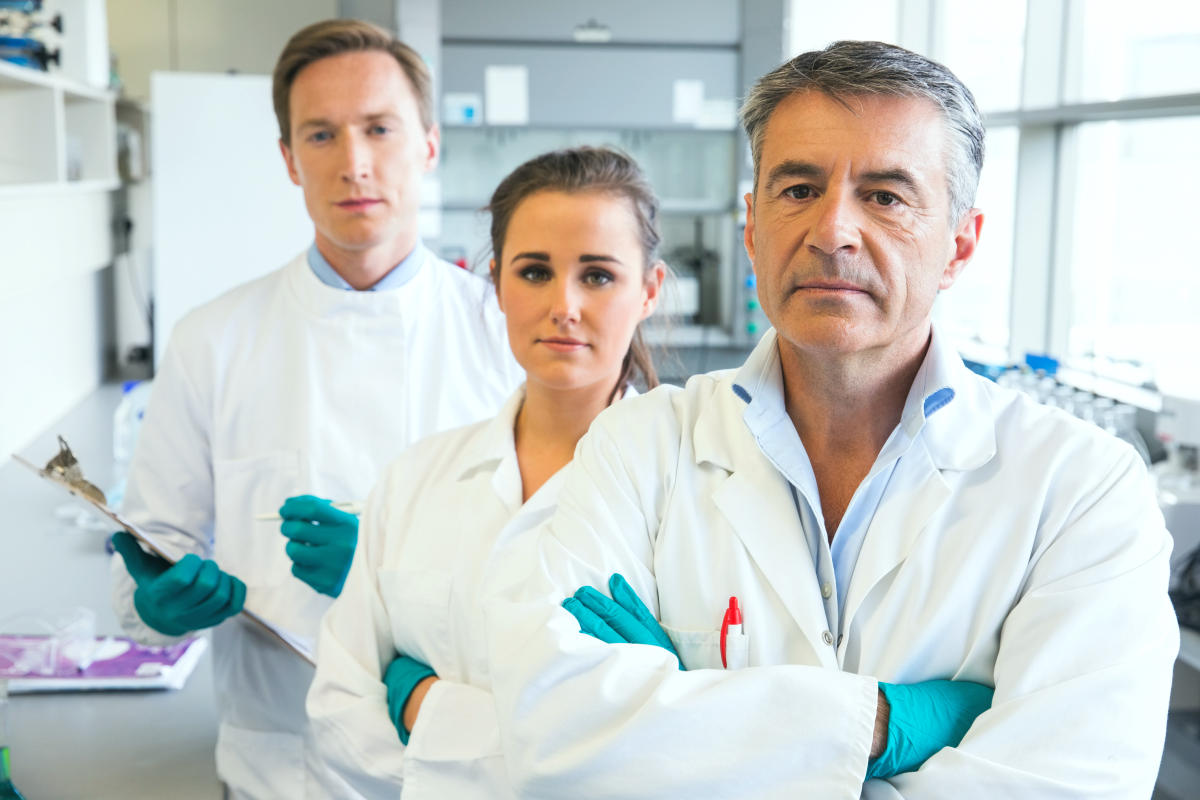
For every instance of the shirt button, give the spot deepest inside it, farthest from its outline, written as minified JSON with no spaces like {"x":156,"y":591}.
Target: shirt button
{"x":826,"y":591}
{"x":827,"y":637}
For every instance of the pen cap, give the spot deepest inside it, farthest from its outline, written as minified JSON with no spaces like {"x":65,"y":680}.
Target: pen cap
{"x":733,"y":614}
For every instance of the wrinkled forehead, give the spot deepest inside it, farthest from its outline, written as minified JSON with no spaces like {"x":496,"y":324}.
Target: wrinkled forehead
{"x":862,"y":133}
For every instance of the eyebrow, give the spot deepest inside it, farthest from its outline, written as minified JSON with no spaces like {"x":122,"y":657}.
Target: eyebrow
{"x":787,"y":170}
{"x":532,"y":256}
{"x":587,"y":258}
{"x":894,"y":175}
{"x":321,"y":122}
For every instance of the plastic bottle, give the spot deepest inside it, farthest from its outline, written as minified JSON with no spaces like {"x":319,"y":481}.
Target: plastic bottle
{"x":127,"y":422}
{"x":7,"y":790}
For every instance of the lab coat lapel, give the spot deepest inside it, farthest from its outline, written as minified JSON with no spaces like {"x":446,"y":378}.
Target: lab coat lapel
{"x":916,"y":491}
{"x":757,"y":503}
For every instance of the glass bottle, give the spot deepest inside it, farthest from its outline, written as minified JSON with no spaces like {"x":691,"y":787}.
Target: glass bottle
{"x":7,"y":790}
{"x":1121,"y":421}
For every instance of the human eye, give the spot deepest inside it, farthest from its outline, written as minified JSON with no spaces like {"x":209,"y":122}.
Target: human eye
{"x":534,"y":273}
{"x":317,"y":137}
{"x":801,"y":191}
{"x":884,"y":198}
{"x":597,"y":277}
{"x":379,"y":129}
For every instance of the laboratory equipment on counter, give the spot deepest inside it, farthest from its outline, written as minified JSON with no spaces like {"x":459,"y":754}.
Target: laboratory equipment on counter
{"x":695,"y":273}
{"x":7,"y":790}
{"x":1178,"y":483}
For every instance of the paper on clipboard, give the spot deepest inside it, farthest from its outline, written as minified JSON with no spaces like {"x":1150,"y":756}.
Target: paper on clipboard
{"x":289,"y":640}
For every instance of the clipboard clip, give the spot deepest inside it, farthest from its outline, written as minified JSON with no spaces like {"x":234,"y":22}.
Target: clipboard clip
{"x":64,"y":467}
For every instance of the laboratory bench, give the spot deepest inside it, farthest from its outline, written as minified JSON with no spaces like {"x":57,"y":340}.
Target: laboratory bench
{"x":94,"y":745}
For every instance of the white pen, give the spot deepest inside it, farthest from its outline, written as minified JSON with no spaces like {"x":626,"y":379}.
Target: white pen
{"x":349,"y":506}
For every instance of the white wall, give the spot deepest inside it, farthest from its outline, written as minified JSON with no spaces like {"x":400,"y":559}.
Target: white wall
{"x":53,"y":307}
{"x":204,"y":35}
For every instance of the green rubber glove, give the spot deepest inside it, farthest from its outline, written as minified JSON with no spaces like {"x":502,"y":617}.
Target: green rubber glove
{"x":401,"y":677}
{"x":322,"y":541}
{"x":622,"y":619}
{"x":924,"y":718}
{"x":189,"y":595}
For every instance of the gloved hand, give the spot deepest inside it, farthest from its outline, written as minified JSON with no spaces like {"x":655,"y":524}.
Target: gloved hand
{"x":322,"y":542}
{"x":176,"y":599}
{"x":924,"y":718}
{"x":623,"y":618}
{"x":401,"y":677}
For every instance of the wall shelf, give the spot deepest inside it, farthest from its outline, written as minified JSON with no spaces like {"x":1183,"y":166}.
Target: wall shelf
{"x":66,"y":135}
{"x":58,"y":187}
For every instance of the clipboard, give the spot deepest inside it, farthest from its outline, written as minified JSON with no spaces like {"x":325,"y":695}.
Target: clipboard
{"x":275,"y":632}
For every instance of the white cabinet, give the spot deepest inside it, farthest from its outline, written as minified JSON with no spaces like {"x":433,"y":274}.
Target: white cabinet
{"x":57,"y":134}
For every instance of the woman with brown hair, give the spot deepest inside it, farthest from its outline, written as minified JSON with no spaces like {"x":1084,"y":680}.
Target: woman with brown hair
{"x":401,"y":697}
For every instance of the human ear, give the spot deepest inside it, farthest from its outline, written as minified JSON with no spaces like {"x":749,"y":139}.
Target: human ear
{"x":652,"y":288}
{"x":966,"y":239}
{"x":748,"y":237}
{"x":289,"y":160}
{"x":496,"y":282}
{"x":433,"y":147}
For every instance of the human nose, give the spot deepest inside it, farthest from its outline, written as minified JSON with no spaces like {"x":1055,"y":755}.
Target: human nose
{"x":565,"y":308}
{"x":355,"y":158}
{"x":837,"y":224}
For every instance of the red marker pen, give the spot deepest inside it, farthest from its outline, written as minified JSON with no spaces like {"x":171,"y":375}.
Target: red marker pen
{"x":732,"y":623}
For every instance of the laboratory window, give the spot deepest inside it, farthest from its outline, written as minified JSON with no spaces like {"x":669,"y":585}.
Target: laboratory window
{"x":976,"y":308}
{"x":1121,"y":54}
{"x":984,"y":45}
{"x":1134,"y":300}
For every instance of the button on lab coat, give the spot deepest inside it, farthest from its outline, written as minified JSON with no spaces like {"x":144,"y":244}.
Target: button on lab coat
{"x":1014,"y":546}
{"x":286,"y":386}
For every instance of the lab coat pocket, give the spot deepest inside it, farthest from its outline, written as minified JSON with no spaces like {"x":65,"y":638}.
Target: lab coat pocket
{"x":702,"y":649}
{"x":418,"y":606}
{"x":253,"y":550}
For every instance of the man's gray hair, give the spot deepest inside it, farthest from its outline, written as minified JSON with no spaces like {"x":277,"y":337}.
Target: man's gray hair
{"x":846,"y":69}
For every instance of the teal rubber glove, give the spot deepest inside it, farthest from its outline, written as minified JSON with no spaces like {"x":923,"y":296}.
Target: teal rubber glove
{"x":924,"y":718}
{"x":189,"y":595}
{"x":401,"y":677}
{"x":622,"y":619}
{"x":322,"y":540}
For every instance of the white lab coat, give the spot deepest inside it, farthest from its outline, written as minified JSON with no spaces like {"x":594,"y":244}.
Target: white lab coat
{"x":1015,"y":546}
{"x":427,"y":537}
{"x":286,"y":386}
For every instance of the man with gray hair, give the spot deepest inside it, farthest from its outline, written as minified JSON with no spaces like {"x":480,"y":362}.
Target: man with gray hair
{"x":843,"y":547}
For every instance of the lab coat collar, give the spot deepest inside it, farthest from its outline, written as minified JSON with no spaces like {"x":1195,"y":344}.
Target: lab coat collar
{"x":950,"y":407}
{"x":497,"y":440}
{"x":399,"y":275}
{"x":947,"y":405}
{"x":321,"y":301}
{"x":716,"y":441}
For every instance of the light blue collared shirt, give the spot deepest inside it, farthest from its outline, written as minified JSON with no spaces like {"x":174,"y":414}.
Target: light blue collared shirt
{"x":401,"y":274}
{"x":759,"y":383}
